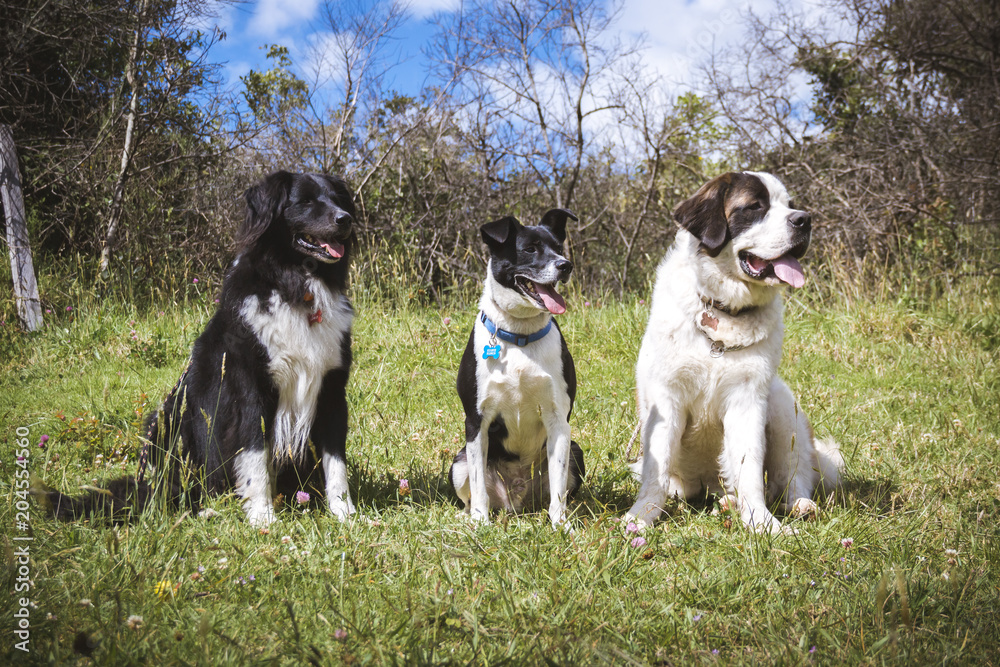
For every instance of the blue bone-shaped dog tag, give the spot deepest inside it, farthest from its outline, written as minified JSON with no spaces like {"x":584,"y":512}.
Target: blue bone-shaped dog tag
{"x":491,"y":351}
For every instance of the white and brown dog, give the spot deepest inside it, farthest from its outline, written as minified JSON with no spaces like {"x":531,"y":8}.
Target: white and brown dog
{"x":713,"y":413}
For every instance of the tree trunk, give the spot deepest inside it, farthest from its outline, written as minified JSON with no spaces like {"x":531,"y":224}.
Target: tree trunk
{"x":22,"y":269}
{"x":128,"y":150}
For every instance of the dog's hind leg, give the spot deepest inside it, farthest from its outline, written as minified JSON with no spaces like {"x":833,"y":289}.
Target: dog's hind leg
{"x":790,"y":461}
{"x":497,"y":489}
{"x":459,"y":477}
{"x":577,"y":470}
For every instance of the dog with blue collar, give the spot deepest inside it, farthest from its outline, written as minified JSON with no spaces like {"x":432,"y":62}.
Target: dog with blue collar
{"x":516,"y":379}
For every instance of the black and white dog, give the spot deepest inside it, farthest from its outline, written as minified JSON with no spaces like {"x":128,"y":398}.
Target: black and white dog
{"x":262,"y":405}
{"x":516,"y":379}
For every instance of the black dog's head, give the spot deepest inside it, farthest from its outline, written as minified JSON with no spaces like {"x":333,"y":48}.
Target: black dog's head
{"x":529,"y":261}
{"x":305,"y":215}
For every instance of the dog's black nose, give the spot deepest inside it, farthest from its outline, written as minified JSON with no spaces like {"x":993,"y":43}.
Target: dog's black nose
{"x":800,"y":220}
{"x":565,"y":267}
{"x":343,"y":219}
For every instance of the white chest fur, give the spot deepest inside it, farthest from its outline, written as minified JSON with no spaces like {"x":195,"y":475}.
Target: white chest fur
{"x":675,"y":362}
{"x":520,"y":386}
{"x":300,"y":353}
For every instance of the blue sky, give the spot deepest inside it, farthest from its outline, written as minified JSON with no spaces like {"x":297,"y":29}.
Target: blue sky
{"x":296,"y":23}
{"x":678,"y":33}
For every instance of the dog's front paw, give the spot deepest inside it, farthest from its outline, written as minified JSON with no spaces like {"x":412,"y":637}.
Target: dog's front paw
{"x":479,"y":517}
{"x":772,"y":528}
{"x":632,"y":524}
{"x":342,"y":508}
{"x":260,"y":516}
{"x":766,"y":523}
{"x":729,"y":503}
{"x":804,"y":508}
{"x":562,"y":523}
{"x":777,"y":528}
{"x":642,"y":514}
{"x":565,"y":526}
{"x":557,"y":514}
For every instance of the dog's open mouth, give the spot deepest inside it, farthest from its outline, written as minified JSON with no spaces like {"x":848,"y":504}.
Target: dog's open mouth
{"x":324,"y":252}
{"x":543,"y":294}
{"x":785,"y":268}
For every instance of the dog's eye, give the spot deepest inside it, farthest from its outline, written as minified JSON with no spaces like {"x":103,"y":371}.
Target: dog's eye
{"x":531,"y":249}
{"x":754,"y":206}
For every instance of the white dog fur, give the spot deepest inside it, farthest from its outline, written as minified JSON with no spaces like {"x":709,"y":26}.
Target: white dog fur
{"x":720,"y":420}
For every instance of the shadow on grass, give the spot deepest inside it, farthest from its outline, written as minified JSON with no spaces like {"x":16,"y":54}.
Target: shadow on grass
{"x":424,"y":487}
{"x":876,"y":494}
{"x":615,"y":493}
{"x":608,"y":492}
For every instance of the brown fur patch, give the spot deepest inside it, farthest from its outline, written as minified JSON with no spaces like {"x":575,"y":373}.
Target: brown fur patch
{"x":744,"y":192}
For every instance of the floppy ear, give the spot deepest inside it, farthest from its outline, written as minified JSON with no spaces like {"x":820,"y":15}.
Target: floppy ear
{"x":704,"y":214}
{"x":555,"y":220}
{"x":496,"y":233}
{"x":265,"y":201}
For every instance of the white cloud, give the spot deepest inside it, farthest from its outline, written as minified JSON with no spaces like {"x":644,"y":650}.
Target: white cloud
{"x":322,"y":60}
{"x":424,"y":8}
{"x":236,"y":69}
{"x":680,"y":34}
{"x":270,"y":17}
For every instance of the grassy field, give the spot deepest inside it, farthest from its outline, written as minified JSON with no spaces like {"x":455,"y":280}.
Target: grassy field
{"x":910,"y":390}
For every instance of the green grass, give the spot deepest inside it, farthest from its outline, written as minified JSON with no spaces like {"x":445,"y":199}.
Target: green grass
{"x":911,"y":391}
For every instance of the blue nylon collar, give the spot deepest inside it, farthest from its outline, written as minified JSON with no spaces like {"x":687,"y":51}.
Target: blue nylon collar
{"x":517,"y":339}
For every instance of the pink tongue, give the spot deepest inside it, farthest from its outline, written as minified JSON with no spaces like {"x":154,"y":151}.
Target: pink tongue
{"x":788,"y":269}
{"x":336,"y":250}
{"x":551,"y":298}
